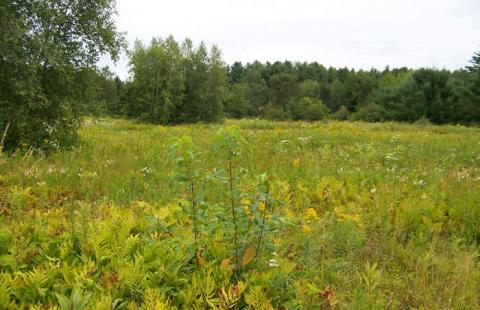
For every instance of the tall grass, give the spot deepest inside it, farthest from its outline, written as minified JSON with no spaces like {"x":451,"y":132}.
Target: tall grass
{"x":349,"y":215}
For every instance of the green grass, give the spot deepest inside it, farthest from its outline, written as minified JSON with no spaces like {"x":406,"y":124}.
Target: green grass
{"x":363,"y":216}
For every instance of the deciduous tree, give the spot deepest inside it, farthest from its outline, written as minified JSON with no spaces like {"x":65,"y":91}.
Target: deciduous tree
{"x":44,"y":47}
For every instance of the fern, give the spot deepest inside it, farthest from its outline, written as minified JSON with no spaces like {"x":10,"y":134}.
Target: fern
{"x":154,"y":299}
{"x":6,"y":293}
{"x":256,"y":298}
{"x":231,"y":295}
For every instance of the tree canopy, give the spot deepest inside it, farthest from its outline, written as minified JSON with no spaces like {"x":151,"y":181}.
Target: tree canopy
{"x":173,"y":83}
{"x":203,"y":88}
{"x":46,"y":49}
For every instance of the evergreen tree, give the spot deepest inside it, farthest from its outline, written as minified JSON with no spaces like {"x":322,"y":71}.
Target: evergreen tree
{"x":256,"y":89}
{"x":235,"y":73}
{"x":283,"y":88}
{"x":475,"y":61}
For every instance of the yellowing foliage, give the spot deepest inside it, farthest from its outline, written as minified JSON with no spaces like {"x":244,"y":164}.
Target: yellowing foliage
{"x":327,"y":215}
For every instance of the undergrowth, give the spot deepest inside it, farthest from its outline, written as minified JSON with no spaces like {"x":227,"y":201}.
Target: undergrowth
{"x":246,"y":215}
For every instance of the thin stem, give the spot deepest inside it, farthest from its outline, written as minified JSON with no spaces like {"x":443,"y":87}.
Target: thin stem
{"x":4,"y":136}
{"x":194,"y":211}
{"x":234,"y":216}
{"x":264,"y":218}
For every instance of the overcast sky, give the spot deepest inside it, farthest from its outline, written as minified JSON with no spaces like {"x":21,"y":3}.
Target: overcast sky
{"x":352,"y":33}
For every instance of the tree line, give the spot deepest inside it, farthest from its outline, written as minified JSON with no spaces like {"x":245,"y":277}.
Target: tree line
{"x":49,"y":81}
{"x":174,"y":83}
{"x":289,"y":90}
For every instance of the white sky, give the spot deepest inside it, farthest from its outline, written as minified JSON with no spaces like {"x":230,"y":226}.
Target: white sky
{"x":352,"y":33}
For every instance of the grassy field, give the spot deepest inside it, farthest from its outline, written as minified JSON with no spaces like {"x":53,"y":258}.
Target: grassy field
{"x":325,"y":215}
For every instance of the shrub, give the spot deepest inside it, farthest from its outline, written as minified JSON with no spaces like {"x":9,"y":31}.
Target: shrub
{"x":423,"y":121}
{"x":371,"y":112}
{"x":275,"y":114}
{"x":342,"y":114}
{"x":311,"y":109}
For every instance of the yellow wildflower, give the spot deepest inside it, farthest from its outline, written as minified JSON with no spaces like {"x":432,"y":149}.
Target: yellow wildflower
{"x":247,"y":211}
{"x":261,"y":206}
{"x":306,"y":229}
{"x":354,"y":218}
{"x":296,"y":162}
{"x":311,"y":214}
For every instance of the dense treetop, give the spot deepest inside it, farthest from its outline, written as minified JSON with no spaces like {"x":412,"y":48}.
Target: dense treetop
{"x":47,"y":49}
{"x":309,"y":91}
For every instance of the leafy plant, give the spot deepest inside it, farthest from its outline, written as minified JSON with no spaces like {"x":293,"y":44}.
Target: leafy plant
{"x":371,"y":276}
{"x":76,"y":301}
{"x":187,"y":171}
{"x":106,"y":220}
{"x":229,"y":140}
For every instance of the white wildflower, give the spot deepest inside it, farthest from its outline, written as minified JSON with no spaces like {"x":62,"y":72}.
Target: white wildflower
{"x":305,"y":139}
{"x":391,"y":156}
{"x":273,"y":263}
{"x":463,"y":174}
{"x":146,"y":171}
{"x":419,"y":182}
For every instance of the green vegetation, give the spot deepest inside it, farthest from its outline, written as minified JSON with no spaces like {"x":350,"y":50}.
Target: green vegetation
{"x":48,"y":50}
{"x":178,"y":84}
{"x":276,"y":91}
{"x":249,"y":214}
{"x":174,"y":84}
{"x":260,"y":212}
{"x":49,"y":81}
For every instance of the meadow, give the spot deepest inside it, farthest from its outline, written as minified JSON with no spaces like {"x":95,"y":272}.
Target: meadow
{"x":248,"y":214}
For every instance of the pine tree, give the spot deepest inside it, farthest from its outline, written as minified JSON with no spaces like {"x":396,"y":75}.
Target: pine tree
{"x":475,"y":61}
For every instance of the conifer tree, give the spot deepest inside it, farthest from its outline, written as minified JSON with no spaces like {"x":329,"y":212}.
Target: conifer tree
{"x":475,"y":61}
